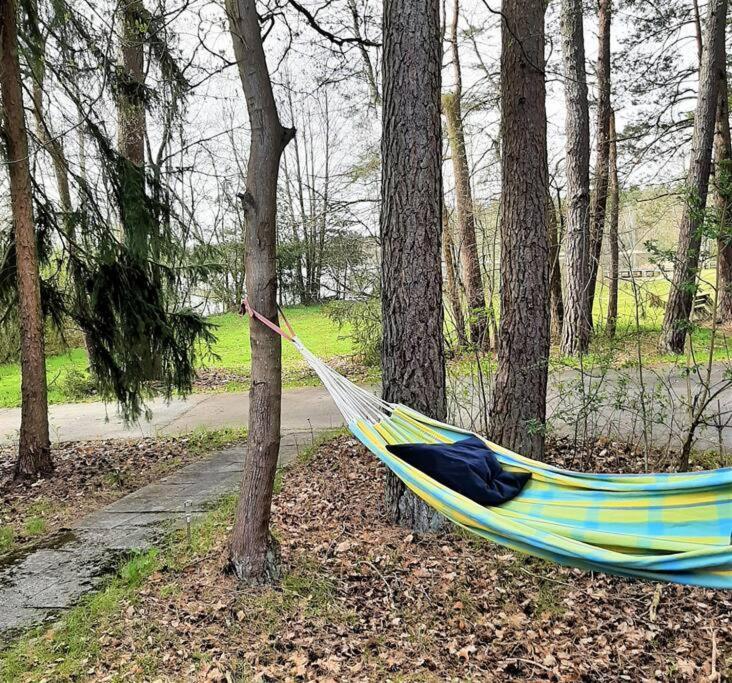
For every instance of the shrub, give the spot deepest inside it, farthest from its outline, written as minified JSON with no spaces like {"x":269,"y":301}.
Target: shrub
{"x":362,"y":320}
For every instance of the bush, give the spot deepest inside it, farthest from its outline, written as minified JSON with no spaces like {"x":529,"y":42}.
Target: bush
{"x":77,"y":384}
{"x":363,"y":321}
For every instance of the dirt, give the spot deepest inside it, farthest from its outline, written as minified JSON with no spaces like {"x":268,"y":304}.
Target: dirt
{"x":362,"y":600}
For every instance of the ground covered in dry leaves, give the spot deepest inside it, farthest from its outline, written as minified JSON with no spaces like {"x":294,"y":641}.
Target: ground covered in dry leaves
{"x":88,"y":475}
{"x":362,"y":600}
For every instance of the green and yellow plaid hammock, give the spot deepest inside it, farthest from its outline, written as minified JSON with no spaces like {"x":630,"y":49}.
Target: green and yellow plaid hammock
{"x":667,"y":527}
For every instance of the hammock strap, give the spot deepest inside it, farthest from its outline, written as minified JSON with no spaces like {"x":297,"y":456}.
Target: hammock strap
{"x":353,"y":402}
{"x":289,"y":335}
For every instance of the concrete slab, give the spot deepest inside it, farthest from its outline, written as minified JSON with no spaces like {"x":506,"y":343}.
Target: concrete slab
{"x":39,"y":583}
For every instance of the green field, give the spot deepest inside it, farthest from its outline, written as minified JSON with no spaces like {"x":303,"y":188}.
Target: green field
{"x":67,"y":371}
{"x":231,"y":353}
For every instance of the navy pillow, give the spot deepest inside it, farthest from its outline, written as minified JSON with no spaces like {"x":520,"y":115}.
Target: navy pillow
{"x":468,"y":467}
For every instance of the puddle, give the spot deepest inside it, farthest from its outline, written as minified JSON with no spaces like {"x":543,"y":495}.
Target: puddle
{"x":54,"y":542}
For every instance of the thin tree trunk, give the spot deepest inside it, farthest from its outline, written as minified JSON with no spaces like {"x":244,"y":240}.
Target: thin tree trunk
{"x":467,"y":242}
{"x":518,"y":408}
{"x":131,"y":125}
{"x":299,"y":282}
{"x":613,"y":240}
{"x":413,"y":360}
{"x":252,"y":553}
{"x":368,"y":68}
{"x":678,"y":308}
{"x":577,"y":326}
{"x":555,"y":273}
{"x":34,"y":450}
{"x":451,"y":282}
{"x":602,"y":148}
{"x":723,"y":200}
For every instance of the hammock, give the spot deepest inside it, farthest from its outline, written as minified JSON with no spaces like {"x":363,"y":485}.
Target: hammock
{"x":668,"y":527}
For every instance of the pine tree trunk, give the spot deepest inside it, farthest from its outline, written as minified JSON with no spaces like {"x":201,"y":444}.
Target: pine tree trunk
{"x":577,"y":326}
{"x":723,"y":200}
{"x":602,"y":149}
{"x":131,"y":125}
{"x":613,"y":239}
{"x":677,"y":315}
{"x":518,"y":408}
{"x":467,"y":242}
{"x":253,"y":553}
{"x":413,"y":361}
{"x":34,"y":450}
{"x":555,"y":273}
{"x":451,"y":283}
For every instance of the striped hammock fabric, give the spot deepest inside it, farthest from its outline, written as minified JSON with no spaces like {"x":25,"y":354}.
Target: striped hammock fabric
{"x":668,"y":527}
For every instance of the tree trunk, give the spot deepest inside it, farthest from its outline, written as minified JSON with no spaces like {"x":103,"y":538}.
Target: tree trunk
{"x":467,"y":242}
{"x":253,"y":555}
{"x":451,"y":282}
{"x":518,"y":408}
{"x":131,"y":127}
{"x":577,"y":325}
{"x":555,"y":273}
{"x":413,"y":360}
{"x":723,"y":201}
{"x":613,"y":241}
{"x":602,"y":149}
{"x":34,"y":449}
{"x":676,"y":318}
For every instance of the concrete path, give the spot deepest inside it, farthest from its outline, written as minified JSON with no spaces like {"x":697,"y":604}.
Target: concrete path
{"x":302,"y":409}
{"x":39,"y":583}
{"x":577,"y":405}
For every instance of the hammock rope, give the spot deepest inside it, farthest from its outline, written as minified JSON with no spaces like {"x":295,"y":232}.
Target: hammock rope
{"x":668,"y":527}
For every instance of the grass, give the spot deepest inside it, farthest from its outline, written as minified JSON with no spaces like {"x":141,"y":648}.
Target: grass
{"x":67,"y":650}
{"x":7,"y":538}
{"x":68,"y":378}
{"x":67,"y":373}
{"x":203,"y":439}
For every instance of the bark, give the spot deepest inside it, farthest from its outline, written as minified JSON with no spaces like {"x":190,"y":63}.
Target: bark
{"x":451,"y":283}
{"x":467,"y":242}
{"x":602,"y":149}
{"x":613,"y":240}
{"x":678,"y":308}
{"x":413,"y":361}
{"x":131,"y":126}
{"x":555,"y":274}
{"x":518,"y":408}
{"x":253,"y":555}
{"x":34,"y":451}
{"x":577,"y":326}
{"x":723,"y":200}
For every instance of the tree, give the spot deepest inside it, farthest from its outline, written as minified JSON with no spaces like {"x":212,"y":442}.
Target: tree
{"x":34,"y":450}
{"x":518,"y":408}
{"x":131,"y":119}
{"x":677,"y":313}
{"x":252,"y":550}
{"x":412,"y":356}
{"x":723,"y":199}
{"x":602,"y":149}
{"x":612,"y":235}
{"x":576,"y":325}
{"x":555,"y":274}
{"x":451,"y":282}
{"x":467,"y":242}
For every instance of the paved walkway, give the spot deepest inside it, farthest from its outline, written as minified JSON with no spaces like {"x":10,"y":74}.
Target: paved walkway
{"x":38,"y":584}
{"x":302,"y":409}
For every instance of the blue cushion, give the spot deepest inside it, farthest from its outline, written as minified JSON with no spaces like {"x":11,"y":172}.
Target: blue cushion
{"x":468,"y":467}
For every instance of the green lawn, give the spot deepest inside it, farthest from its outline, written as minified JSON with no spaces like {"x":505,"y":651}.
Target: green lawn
{"x":67,"y":372}
{"x":67,"y":378}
